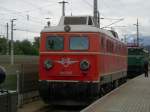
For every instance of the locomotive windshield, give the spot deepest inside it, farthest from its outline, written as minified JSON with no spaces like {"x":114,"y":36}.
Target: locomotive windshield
{"x":79,"y":43}
{"x":55,"y":43}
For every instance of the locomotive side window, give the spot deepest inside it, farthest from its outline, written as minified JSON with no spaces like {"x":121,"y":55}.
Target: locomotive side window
{"x":54,"y":43}
{"x":79,"y":43}
{"x":102,"y":43}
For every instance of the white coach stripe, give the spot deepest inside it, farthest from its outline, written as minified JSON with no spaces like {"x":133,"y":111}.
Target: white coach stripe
{"x":79,"y":53}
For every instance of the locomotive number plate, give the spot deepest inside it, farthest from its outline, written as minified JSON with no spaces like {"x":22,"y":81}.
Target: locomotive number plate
{"x":66,"y":73}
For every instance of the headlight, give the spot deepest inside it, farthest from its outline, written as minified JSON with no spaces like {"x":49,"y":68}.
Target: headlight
{"x":84,"y":65}
{"x":48,"y":64}
{"x":67,"y":28}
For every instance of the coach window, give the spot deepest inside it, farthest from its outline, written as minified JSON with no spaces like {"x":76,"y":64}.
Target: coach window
{"x":55,"y":43}
{"x":115,"y":48}
{"x":119,"y":49}
{"x":108,"y":46}
{"x":79,"y":43}
{"x":102,"y":42}
{"x":111,"y":47}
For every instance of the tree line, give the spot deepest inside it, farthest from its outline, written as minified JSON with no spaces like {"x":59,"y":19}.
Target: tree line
{"x":24,"y":47}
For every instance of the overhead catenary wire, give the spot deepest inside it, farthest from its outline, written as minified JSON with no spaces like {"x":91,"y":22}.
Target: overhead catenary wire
{"x":21,"y":14}
{"x":2,"y":25}
{"x":40,"y":8}
{"x":26,"y":30}
{"x":113,"y":23}
{"x":105,"y":5}
{"x":90,"y":5}
{"x":25,"y":19}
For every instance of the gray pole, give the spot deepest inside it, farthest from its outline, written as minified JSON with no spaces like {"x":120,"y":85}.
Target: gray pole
{"x":99,"y":20}
{"x":63,"y":7}
{"x":12,"y":43}
{"x":125,"y":38}
{"x":7,"y":41}
{"x":137,"y":32}
{"x":95,"y":13}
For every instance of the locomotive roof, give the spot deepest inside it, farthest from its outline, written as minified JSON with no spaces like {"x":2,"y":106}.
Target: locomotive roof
{"x":139,"y":48}
{"x":77,"y":24}
{"x":135,"y":47}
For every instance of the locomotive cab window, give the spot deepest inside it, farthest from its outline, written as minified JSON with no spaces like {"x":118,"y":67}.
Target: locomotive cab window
{"x":55,"y":43}
{"x":79,"y":43}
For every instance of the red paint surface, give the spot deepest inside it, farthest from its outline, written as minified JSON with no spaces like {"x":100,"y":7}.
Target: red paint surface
{"x":102,"y":63}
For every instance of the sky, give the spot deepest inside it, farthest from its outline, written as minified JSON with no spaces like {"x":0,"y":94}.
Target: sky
{"x":31,"y":14}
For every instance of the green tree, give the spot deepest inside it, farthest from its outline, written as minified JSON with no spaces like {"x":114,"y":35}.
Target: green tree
{"x":24,"y":47}
{"x":36,"y":45}
{"x":3,"y":46}
{"x":17,"y":48}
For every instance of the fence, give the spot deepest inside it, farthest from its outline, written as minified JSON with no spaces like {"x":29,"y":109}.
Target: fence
{"x":19,"y":59}
{"x":8,"y":101}
{"x":22,"y":77}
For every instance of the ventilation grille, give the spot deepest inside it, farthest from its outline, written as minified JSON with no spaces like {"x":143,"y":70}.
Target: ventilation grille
{"x":75,"y":20}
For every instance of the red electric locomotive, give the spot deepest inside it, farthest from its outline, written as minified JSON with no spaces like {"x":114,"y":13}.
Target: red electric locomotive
{"x":79,"y":61}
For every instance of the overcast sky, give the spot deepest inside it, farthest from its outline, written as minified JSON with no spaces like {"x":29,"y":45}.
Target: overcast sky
{"x":38,"y":10}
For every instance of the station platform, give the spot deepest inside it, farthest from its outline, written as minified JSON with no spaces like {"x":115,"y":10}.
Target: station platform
{"x":133,"y":96}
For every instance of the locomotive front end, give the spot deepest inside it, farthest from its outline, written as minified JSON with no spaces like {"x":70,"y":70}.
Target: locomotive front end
{"x":68,"y":68}
{"x":79,"y":62}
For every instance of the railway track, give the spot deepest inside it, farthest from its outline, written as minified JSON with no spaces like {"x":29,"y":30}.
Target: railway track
{"x":61,"y":109}
{"x":40,"y":106}
{"x":70,"y":108}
